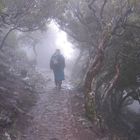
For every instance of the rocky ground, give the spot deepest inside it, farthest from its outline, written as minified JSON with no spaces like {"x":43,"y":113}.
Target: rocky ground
{"x":53,"y":118}
{"x":59,"y":115}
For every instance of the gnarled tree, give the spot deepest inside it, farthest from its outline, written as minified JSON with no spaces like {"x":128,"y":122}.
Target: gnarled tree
{"x":110,"y":30}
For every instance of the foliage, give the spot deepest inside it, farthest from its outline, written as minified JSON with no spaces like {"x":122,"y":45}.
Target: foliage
{"x":110,"y":30}
{"x":25,"y":16}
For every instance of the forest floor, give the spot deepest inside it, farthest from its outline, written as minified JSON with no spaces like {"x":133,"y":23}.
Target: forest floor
{"x":59,"y":115}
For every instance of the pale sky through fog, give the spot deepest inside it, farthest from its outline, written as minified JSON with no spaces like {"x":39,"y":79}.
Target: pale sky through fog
{"x":62,"y":42}
{"x":52,"y":39}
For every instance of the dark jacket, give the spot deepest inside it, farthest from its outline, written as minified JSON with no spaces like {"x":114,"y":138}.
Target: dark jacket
{"x":57,"y":62}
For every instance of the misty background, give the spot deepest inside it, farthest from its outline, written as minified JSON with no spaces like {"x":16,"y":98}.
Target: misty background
{"x":40,"y":46}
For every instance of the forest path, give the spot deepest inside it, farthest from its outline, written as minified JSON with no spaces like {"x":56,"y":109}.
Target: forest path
{"x":57,"y":115}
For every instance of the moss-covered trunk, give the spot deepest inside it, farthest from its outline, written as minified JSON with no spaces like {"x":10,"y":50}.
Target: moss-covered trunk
{"x":112,"y":85}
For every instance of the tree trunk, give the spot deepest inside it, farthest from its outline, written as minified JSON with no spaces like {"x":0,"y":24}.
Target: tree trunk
{"x":5,"y":37}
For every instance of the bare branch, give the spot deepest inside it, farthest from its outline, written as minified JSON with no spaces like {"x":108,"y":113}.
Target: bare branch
{"x":121,"y":20}
{"x":5,"y":37}
{"x":133,"y":26}
{"x":102,"y":9}
{"x":90,"y":5}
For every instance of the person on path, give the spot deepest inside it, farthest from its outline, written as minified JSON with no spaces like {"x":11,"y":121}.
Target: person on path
{"x":57,"y":64}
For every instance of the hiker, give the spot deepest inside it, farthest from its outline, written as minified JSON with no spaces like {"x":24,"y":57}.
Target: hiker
{"x":57,"y":64}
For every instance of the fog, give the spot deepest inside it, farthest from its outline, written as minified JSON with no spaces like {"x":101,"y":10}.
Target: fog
{"x":48,"y":41}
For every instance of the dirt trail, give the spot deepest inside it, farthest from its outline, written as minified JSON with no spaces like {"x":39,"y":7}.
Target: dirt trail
{"x":54,"y":118}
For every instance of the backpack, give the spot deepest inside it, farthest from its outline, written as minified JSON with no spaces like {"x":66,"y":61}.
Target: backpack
{"x":55,"y":60}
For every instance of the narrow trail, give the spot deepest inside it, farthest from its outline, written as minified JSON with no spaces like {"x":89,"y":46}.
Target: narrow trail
{"x":54,"y":119}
